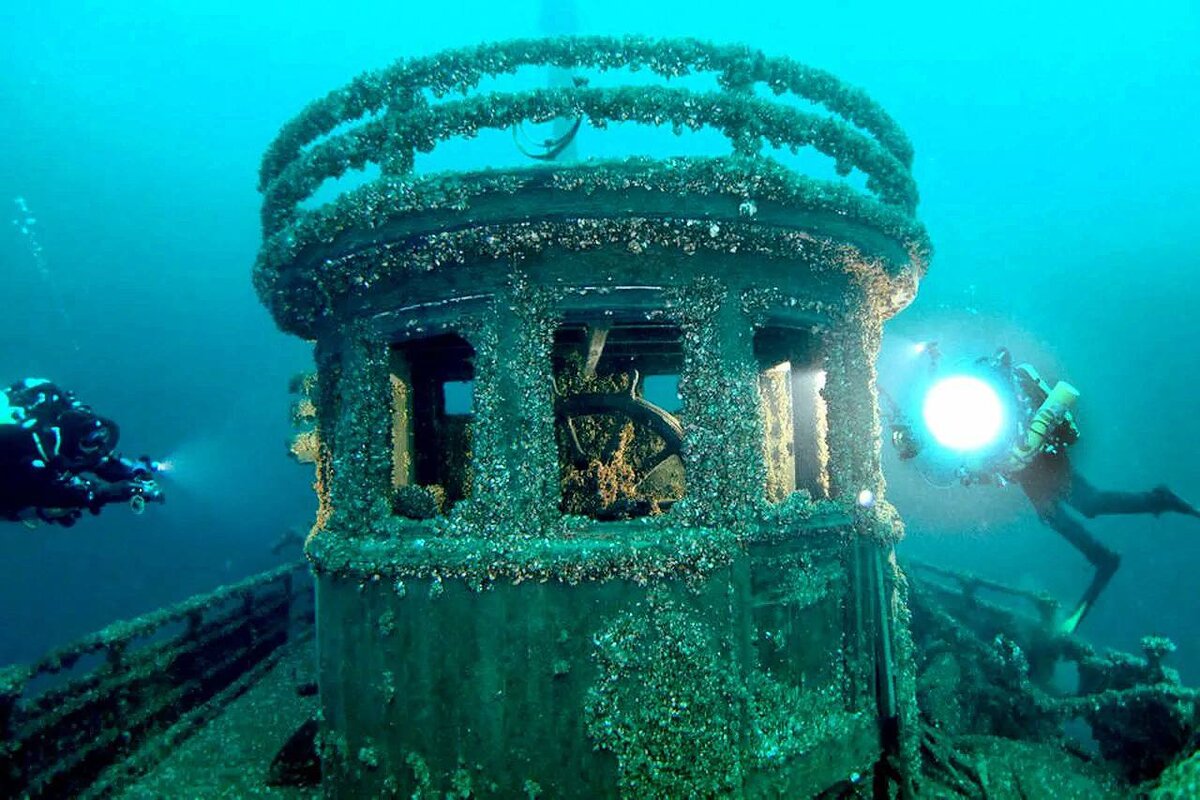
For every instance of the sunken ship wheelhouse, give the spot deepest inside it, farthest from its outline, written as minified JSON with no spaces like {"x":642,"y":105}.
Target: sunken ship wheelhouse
{"x":597,"y":444}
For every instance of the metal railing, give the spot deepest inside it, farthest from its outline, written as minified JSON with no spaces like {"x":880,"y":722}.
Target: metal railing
{"x":390,"y":117}
{"x":148,"y":677}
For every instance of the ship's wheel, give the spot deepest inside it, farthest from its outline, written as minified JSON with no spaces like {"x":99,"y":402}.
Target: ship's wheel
{"x":622,"y":431}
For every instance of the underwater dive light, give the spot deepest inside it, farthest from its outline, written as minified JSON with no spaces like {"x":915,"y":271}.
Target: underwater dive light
{"x":964,"y":413}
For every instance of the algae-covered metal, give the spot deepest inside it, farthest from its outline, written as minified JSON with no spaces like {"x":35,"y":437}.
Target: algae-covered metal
{"x":97,"y":713}
{"x":576,"y":582}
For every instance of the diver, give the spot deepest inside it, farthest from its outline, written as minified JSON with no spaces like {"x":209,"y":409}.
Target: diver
{"x":1039,"y":464}
{"x":57,"y":458}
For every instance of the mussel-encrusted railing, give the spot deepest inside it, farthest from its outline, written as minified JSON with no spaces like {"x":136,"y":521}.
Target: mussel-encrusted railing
{"x":1008,"y":667}
{"x":150,"y":684}
{"x":383,"y":121}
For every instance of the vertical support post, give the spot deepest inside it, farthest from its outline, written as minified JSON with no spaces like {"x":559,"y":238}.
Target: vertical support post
{"x":515,"y":465}
{"x":905,"y":669}
{"x":877,"y":675}
{"x":403,"y":444}
{"x":746,"y":470}
{"x":362,"y":470}
{"x":852,"y":409}
{"x":722,"y":447}
{"x":854,"y":466}
{"x":326,"y":397}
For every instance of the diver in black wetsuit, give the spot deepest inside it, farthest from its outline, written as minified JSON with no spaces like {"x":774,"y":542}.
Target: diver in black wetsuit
{"x":1039,"y":464}
{"x":57,"y":458}
{"x":1051,"y":484}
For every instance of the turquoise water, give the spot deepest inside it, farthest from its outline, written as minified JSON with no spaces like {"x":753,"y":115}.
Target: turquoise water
{"x":1059,"y":177}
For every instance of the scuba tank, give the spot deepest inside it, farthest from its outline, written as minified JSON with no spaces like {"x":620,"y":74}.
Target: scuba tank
{"x":1051,"y":414}
{"x":1034,"y":390}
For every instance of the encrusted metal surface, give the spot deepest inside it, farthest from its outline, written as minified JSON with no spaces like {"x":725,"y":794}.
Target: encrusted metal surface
{"x":402,"y":225}
{"x":741,"y":638}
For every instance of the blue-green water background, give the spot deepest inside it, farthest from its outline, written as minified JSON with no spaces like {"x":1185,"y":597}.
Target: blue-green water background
{"x":1057,"y":160}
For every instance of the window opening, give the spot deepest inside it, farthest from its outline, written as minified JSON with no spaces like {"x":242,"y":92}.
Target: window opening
{"x":459,"y":398}
{"x":616,"y":424}
{"x":432,"y":414}
{"x":793,"y":411}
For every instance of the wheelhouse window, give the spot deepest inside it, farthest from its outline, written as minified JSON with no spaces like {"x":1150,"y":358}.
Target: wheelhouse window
{"x":432,"y":413}
{"x":617,"y":422}
{"x":793,"y":411}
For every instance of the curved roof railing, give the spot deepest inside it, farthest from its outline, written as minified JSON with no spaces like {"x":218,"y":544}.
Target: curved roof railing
{"x":738,"y":67}
{"x":405,"y":122}
{"x":384,"y":119}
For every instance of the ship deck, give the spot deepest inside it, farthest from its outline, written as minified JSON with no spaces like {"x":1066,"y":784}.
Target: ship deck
{"x":210,"y":698}
{"x":230,"y":756}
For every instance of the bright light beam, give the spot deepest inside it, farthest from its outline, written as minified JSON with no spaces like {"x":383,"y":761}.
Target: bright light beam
{"x":963,"y":413}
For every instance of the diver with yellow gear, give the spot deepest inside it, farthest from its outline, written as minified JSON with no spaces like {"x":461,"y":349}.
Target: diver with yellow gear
{"x":57,"y":458}
{"x":1037,"y":461}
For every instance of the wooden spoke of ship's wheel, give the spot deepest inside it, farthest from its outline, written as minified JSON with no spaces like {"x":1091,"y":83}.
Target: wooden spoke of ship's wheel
{"x":629,"y":404}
